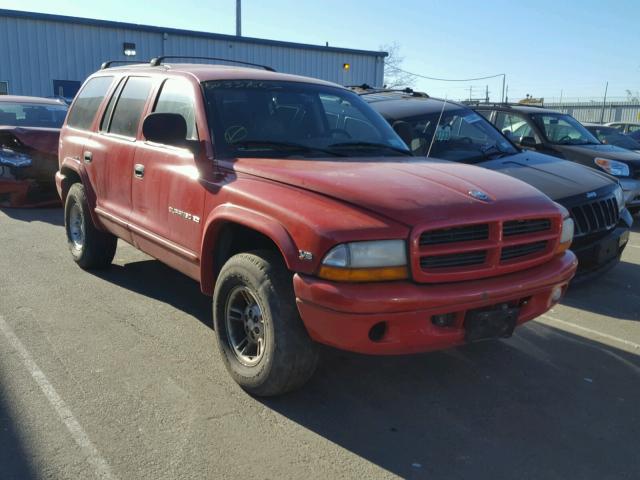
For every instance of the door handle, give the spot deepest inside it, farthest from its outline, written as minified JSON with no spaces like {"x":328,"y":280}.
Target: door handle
{"x":88,"y":156}
{"x":138,"y":170}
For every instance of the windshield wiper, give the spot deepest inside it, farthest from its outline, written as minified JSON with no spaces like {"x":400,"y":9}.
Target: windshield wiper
{"x":282,"y":146}
{"x":371,"y":145}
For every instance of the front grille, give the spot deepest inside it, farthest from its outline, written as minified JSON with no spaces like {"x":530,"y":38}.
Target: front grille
{"x":457,"y":234}
{"x":467,"y":252}
{"x":466,"y":259}
{"x":521,"y":227}
{"x":596,"y":216}
{"x":517,"y":251}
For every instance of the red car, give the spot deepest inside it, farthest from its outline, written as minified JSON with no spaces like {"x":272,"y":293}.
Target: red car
{"x":302,"y":213}
{"x":29,"y":132}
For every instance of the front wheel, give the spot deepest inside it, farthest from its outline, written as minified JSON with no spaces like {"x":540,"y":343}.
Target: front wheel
{"x":261,"y":338}
{"x":90,"y":247}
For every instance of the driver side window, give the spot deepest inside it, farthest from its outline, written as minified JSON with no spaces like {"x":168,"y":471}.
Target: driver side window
{"x":514,"y":127}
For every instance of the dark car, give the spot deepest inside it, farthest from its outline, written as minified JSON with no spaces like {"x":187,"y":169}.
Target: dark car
{"x":29,"y":134}
{"x":561,"y":135}
{"x":631,"y":129}
{"x":613,"y":136}
{"x":451,"y":131}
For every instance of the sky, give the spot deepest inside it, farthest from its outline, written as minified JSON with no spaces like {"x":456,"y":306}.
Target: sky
{"x":546,"y":48}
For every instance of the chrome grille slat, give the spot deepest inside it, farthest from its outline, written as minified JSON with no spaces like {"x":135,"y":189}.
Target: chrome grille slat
{"x":596,"y":216}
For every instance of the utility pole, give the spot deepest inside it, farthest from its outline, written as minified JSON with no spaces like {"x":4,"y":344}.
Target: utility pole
{"x":506,"y":95}
{"x":561,"y":97}
{"x":486,"y":94}
{"x":604,"y":101}
{"x":238,"y":18}
{"x":470,"y":87}
{"x":504,"y":79}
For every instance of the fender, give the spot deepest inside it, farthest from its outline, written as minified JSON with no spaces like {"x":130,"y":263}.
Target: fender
{"x":268,"y":226}
{"x":76,"y":166}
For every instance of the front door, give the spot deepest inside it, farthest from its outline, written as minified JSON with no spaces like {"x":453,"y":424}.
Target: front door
{"x":167,"y":197}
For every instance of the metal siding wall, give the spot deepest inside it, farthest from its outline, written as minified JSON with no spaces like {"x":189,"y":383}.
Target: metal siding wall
{"x":36,"y":52}
{"x":592,"y":112}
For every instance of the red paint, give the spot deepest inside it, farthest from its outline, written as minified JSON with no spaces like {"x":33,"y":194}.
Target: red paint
{"x":35,"y":186}
{"x":313,"y":205}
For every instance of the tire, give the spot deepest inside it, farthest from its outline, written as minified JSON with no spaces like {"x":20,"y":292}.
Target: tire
{"x":90,"y":248}
{"x":288,"y":357}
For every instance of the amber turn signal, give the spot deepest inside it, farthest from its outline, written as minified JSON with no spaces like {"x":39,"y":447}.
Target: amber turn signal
{"x":383,"y":274}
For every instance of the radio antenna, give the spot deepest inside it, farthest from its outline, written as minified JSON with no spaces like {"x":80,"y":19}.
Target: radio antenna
{"x":433,"y":137}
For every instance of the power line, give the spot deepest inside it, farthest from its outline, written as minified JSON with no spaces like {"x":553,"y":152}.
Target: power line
{"x":444,"y":79}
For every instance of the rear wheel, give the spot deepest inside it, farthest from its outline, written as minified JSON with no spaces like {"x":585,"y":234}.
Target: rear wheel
{"x":261,"y":338}
{"x":90,"y":248}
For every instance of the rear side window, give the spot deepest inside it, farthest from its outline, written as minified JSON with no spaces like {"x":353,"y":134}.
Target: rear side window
{"x":104,"y":123}
{"x":176,"y":97}
{"x":128,"y":110}
{"x":88,"y":101}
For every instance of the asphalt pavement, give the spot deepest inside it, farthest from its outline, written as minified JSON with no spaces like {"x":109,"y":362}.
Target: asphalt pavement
{"x":115,"y":375}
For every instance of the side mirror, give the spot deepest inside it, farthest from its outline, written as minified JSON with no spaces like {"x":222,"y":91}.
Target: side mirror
{"x":165,"y":128}
{"x":404,"y":131}
{"x":528,"y":142}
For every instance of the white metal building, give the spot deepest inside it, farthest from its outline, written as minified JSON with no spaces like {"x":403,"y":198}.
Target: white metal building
{"x":46,"y":55}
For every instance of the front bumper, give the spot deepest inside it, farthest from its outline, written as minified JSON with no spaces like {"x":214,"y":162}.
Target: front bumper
{"x":597,"y":257}
{"x":343,"y":314}
{"x":631,"y":190}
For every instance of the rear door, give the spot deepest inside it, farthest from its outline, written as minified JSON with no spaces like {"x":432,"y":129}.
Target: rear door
{"x":167,"y":196}
{"x":109,"y":153}
{"x":81,"y":119}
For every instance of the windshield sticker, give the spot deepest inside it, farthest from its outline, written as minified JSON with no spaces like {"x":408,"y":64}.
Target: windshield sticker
{"x":472,"y":117}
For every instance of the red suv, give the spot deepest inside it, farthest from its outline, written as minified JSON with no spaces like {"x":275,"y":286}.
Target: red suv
{"x":301,"y":212}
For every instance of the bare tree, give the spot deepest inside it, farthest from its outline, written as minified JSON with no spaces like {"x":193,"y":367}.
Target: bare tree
{"x":633,"y":96}
{"x":394,"y":75}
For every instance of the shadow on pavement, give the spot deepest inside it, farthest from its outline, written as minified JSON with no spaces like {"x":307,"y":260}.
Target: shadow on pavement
{"x":54,"y":216}
{"x":614,"y":294}
{"x":14,"y":462}
{"x":156,"y":280}
{"x":544,"y":404}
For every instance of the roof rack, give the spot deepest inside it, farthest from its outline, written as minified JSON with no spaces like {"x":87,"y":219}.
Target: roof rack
{"x":108,"y":63}
{"x":368,"y":90}
{"x":476,"y":103}
{"x":157,"y":61}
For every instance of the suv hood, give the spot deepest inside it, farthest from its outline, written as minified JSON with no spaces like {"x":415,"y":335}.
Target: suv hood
{"x":554,"y":177}
{"x":582,"y":152}
{"x":411,"y":191}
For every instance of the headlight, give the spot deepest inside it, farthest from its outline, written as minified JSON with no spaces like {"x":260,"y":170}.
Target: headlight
{"x":612,"y":167}
{"x":619,"y":197}
{"x":373,"y":261}
{"x":12,"y":159}
{"x":566,"y":235}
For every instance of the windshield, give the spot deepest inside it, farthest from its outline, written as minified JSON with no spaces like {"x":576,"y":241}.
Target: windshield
{"x":564,"y":129}
{"x":460,"y":136}
{"x":32,"y":114}
{"x":612,"y":136}
{"x":277,"y":119}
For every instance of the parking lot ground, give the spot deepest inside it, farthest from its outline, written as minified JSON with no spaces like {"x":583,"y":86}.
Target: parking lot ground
{"x":116,"y":375}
